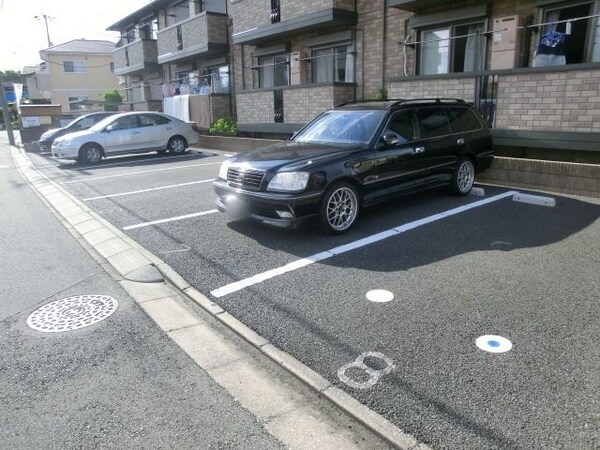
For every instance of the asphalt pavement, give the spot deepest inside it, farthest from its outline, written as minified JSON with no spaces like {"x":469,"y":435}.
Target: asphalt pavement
{"x":151,"y":374}
{"x":458,"y":269}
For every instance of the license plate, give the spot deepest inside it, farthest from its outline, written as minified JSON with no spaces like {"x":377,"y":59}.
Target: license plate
{"x":236,"y":205}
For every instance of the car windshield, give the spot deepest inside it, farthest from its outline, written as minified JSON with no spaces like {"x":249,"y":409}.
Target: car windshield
{"x":103,"y":123}
{"x":342,"y":127}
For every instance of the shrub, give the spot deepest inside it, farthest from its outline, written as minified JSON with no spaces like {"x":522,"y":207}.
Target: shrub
{"x":225,"y":126}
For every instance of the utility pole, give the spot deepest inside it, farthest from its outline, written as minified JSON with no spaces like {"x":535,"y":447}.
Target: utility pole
{"x":6,"y":112}
{"x":45,"y":17}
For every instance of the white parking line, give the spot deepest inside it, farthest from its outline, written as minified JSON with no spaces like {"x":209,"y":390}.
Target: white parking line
{"x":140,"y":172}
{"x":171,"y":219}
{"x":239,"y":285}
{"x":141,"y":191}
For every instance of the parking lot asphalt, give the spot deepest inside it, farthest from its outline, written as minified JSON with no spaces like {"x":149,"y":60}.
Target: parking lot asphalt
{"x":524,"y":272}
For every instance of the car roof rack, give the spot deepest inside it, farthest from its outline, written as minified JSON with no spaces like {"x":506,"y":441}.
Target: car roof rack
{"x":398,"y":101}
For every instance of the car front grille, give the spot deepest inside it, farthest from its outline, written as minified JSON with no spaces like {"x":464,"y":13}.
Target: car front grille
{"x":250,"y":179}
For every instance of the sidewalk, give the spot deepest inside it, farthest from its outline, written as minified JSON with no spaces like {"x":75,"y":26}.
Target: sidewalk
{"x":124,"y":382}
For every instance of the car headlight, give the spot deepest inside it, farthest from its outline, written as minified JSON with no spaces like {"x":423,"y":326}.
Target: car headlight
{"x":224,"y":168}
{"x":289,"y":181}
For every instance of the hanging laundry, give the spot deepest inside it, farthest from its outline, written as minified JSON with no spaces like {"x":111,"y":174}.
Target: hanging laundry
{"x":551,"y":50}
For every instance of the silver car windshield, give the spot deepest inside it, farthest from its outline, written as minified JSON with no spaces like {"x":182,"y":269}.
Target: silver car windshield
{"x":342,"y":127}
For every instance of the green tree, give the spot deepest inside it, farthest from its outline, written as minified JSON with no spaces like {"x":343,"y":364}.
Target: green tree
{"x":112,"y":100}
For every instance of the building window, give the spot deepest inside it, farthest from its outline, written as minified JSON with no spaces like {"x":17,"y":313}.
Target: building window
{"x":112,"y":67}
{"x":273,"y":70}
{"x":74,"y":104}
{"x":130,"y":36}
{"x":215,"y":80}
{"x":74,"y":66}
{"x":179,"y":38}
{"x":458,"y":48}
{"x":181,"y":12}
{"x":333,"y":63}
{"x":567,"y":42}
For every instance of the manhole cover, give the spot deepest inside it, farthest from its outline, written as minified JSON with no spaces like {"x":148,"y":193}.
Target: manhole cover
{"x":72,"y":313}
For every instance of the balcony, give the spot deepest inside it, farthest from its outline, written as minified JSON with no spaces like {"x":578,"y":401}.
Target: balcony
{"x":418,"y":5}
{"x":288,"y":18}
{"x":201,"y":35}
{"x":135,"y":58}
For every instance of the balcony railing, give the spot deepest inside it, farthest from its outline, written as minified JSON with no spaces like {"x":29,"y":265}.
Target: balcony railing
{"x":135,"y":58}
{"x":203,"y":34}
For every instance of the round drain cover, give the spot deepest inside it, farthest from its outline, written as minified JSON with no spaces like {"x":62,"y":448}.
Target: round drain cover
{"x":72,"y":313}
{"x":380,"y":296}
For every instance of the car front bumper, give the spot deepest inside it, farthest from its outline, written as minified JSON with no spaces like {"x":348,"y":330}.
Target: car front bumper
{"x":64,"y":152}
{"x":281,"y":210}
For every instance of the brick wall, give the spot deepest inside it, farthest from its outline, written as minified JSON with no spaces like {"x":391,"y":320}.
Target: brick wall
{"x":561,"y":101}
{"x":303,"y":104}
{"x":255,"y":107}
{"x":220,"y":106}
{"x":445,"y":87}
{"x":369,"y":41}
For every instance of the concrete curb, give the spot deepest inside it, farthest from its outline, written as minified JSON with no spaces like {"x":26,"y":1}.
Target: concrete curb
{"x":103,"y":238}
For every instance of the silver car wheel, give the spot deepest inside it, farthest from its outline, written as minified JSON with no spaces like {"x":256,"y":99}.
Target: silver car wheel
{"x":92,"y":154}
{"x":465,"y":177}
{"x":342,"y":207}
{"x":177,"y":145}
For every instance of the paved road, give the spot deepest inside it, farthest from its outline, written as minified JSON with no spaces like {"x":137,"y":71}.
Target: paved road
{"x":121,"y":383}
{"x":525,"y":272}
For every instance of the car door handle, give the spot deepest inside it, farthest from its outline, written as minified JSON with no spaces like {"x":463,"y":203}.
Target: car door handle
{"x":460,"y":141}
{"x":419,"y":149}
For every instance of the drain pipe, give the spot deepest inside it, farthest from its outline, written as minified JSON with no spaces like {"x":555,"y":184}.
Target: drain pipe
{"x":383,"y":52}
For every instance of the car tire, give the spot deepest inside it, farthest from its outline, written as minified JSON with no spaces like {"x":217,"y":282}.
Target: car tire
{"x":177,"y":145}
{"x":463,"y":177}
{"x":339,"y":208}
{"x":162,"y":151}
{"x":90,"y":153}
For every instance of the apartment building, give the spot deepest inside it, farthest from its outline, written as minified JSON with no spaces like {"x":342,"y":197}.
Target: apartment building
{"x":532,"y":67}
{"x":74,"y":74}
{"x":172,"y":52}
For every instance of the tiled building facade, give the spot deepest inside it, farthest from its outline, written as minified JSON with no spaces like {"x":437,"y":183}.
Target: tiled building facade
{"x":288,"y":60}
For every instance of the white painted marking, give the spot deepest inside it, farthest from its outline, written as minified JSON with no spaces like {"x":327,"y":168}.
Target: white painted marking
{"x":477,"y":192}
{"x":359,"y":364}
{"x":534,"y":200}
{"x":171,"y":219}
{"x":493,"y":344}
{"x":141,"y":191}
{"x":140,"y":172}
{"x":239,"y":285}
{"x":498,"y":243}
{"x":380,"y":296}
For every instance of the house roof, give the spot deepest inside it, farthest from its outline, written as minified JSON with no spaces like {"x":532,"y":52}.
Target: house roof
{"x":82,"y":46}
{"x":140,"y":14}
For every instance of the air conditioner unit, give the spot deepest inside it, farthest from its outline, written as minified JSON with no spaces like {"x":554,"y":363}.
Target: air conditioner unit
{"x":504,"y":42}
{"x":297,"y":68}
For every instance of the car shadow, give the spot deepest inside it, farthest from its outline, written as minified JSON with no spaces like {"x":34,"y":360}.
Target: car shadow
{"x":504,"y":225}
{"x":130,"y":161}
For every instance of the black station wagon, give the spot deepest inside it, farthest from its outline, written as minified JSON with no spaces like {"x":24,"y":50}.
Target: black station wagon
{"x":356,"y":155}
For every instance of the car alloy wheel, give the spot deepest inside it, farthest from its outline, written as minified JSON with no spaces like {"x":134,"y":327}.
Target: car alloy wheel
{"x":464,"y":177}
{"x":177,"y":145}
{"x":340,"y":208}
{"x":91,"y":154}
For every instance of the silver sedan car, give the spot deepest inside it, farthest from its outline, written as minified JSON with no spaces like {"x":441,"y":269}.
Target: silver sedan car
{"x":133,"y":132}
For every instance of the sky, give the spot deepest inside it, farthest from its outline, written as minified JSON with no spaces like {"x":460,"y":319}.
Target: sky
{"x":22,"y":36}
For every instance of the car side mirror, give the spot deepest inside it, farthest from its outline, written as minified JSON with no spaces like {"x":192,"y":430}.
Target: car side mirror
{"x":390,"y":139}
{"x":109,"y":128}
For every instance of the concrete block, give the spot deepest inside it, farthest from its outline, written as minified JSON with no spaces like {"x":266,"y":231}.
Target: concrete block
{"x":169,"y":313}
